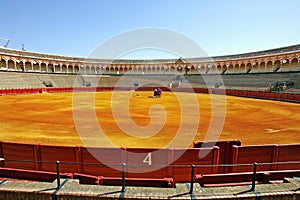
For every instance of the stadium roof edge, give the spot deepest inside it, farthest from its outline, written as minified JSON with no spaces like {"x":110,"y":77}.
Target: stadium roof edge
{"x":274,"y":51}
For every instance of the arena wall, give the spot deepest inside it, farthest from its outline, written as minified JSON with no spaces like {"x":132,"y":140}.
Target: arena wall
{"x":163,"y":163}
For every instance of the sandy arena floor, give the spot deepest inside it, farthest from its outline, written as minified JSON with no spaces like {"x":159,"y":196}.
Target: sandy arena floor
{"x":132,"y":119}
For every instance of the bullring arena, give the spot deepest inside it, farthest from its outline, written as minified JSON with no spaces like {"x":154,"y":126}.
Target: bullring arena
{"x":235,"y":111}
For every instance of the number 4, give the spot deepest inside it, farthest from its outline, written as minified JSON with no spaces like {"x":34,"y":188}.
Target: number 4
{"x":148,"y":159}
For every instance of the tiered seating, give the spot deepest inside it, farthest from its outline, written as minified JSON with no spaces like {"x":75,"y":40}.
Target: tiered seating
{"x":247,"y":81}
{"x":15,"y":80}
{"x":59,"y":81}
{"x":31,"y":81}
{"x":45,"y":78}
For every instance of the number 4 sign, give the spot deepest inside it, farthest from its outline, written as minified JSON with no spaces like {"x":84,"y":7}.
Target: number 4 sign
{"x":148,"y":159}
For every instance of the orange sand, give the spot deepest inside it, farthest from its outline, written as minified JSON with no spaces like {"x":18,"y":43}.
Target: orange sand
{"x":48,"y":119}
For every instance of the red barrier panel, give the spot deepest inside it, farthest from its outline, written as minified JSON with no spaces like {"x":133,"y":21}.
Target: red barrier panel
{"x":297,"y":97}
{"x":252,"y":94}
{"x":31,"y":174}
{"x":31,"y":90}
{"x":148,"y":163}
{"x":288,"y":153}
{"x":251,"y":154}
{"x":260,"y":95}
{"x":277,"y":96}
{"x":196,"y":156}
{"x":284,"y":97}
{"x":230,"y":92}
{"x":197,"y":90}
{"x":280,"y":175}
{"x":272,"y":96}
{"x":18,"y":91}
{"x":236,"y":92}
{"x":14,"y":152}
{"x":23,"y":91}
{"x":8,"y":92}
{"x":225,"y":156}
{"x":201,"y":90}
{"x":267,"y":95}
{"x":244,"y":93}
{"x":102,"y":161}
{"x":291,"y":97}
{"x":51,"y":154}
{"x":245,"y":177}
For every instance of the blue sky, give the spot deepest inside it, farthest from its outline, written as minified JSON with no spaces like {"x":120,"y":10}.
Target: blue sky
{"x":220,"y":27}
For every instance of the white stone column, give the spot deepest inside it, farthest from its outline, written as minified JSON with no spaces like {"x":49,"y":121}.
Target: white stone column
{"x":15,"y":63}
{"x":266,"y":65}
{"x":6,"y":64}
{"x":40,"y":66}
{"x":46,"y":63}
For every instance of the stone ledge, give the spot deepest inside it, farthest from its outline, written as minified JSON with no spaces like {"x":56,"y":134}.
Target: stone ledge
{"x":71,"y":189}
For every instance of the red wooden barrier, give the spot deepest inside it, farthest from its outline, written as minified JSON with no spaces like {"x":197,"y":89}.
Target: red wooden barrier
{"x":59,"y":153}
{"x":291,"y":97}
{"x":260,"y":95}
{"x":251,"y":154}
{"x":284,"y":97}
{"x":288,"y":153}
{"x":278,"y":96}
{"x":149,"y":163}
{"x":297,"y":97}
{"x":280,"y":175}
{"x":102,"y":161}
{"x":225,"y":156}
{"x":14,"y":152}
{"x":267,"y":95}
{"x":196,"y":156}
{"x":272,"y":96}
{"x":237,"y":178}
{"x":32,"y":175}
